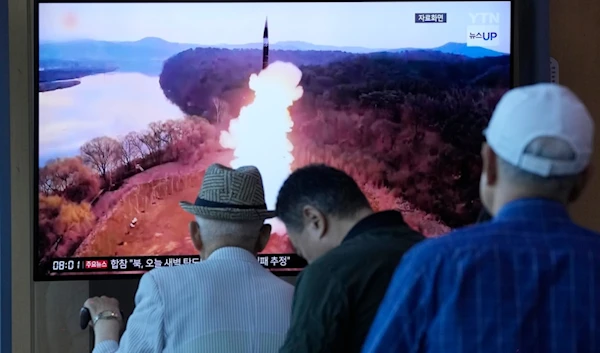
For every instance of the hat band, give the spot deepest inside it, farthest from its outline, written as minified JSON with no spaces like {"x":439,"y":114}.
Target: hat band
{"x":212,"y":204}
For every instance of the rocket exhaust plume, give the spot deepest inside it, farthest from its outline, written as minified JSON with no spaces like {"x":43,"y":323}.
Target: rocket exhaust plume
{"x":259,"y":135}
{"x":265,"y":58}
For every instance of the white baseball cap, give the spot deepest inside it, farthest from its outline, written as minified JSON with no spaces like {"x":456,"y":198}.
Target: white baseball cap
{"x":541,"y":110}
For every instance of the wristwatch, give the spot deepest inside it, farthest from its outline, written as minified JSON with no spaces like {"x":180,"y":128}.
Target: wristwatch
{"x":106,"y":315}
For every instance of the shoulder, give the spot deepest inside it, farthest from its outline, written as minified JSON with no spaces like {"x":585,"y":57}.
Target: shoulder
{"x":471,"y":239}
{"x":173,"y":277}
{"x":316,"y":273}
{"x":435,"y":250}
{"x":318,"y":294}
{"x":327,"y":268}
{"x":459,"y":237}
{"x":161,"y":272}
{"x":207,"y":274}
{"x":357,"y":260}
{"x":277,"y":284}
{"x":320,"y":276}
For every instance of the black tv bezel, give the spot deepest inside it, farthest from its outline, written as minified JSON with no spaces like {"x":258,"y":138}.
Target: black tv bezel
{"x":39,"y":275}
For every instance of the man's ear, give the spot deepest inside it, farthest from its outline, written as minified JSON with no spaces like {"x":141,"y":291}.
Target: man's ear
{"x":581,"y":183}
{"x":195,"y":235}
{"x":264,"y":234}
{"x":314,"y":221}
{"x":489,"y":164}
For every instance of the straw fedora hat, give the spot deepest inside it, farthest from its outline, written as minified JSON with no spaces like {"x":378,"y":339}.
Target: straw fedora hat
{"x":230,"y":195}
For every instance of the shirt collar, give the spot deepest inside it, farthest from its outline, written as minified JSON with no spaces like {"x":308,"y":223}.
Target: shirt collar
{"x":382,"y":219}
{"x":232,"y":253}
{"x":533,"y":209}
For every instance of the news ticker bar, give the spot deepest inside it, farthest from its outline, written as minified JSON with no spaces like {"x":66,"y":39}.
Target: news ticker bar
{"x":146,"y":263}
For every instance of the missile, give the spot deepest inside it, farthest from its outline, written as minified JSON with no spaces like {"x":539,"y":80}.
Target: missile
{"x":265,"y":62}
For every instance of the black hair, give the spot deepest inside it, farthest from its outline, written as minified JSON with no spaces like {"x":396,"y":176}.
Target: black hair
{"x":330,"y":190}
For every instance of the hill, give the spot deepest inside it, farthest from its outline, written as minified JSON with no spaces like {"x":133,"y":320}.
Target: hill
{"x":158,"y":49}
{"x":458,"y":49}
{"x":411,"y":120}
{"x":71,"y":60}
{"x":193,"y":78}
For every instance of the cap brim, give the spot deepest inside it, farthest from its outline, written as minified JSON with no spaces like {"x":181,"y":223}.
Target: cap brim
{"x":226,"y":214}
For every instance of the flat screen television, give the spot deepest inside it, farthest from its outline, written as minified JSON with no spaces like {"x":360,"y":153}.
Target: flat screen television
{"x":135,"y":100}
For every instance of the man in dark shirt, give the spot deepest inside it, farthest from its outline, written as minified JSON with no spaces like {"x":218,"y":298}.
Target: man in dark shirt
{"x":352,"y":253}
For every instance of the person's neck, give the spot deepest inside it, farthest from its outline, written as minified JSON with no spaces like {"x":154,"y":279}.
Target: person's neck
{"x":510,"y":195}
{"x":346,"y":225}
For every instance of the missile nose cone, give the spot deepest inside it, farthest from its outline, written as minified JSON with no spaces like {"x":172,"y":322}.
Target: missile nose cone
{"x":266,"y":31}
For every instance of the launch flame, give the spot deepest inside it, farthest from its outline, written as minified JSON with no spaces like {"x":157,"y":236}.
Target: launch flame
{"x":259,"y":135}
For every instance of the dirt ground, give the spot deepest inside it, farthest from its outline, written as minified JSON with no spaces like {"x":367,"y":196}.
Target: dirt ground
{"x":161,"y":229}
{"x":162,"y":226}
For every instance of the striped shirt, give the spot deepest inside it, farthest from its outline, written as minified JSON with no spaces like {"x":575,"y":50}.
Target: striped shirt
{"x":228,"y":303}
{"x":528,"y":282}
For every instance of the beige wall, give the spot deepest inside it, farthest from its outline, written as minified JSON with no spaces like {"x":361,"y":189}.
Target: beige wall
{"x":56,"y":317}
{"x":22,"y":291}
{"x":575,"y":44}
{"x":45,"y":315}
{"x":53,"y":328}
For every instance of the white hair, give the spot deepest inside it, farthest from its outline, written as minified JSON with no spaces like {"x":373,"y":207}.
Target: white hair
{"x":544,"y":147}
{"x":241,"y":233}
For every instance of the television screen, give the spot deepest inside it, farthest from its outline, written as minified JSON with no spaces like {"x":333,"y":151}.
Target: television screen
{"x":135,"y":100}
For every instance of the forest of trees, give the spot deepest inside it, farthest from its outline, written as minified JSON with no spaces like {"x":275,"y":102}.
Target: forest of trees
{"x":408,"y":122}
{"x":418,"y":114}
{"x":68,"y":187}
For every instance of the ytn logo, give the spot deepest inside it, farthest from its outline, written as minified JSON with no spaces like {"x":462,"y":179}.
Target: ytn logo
{"x":483,"y":36}
{"x":485,"y":18}
{"x":483,"y":29}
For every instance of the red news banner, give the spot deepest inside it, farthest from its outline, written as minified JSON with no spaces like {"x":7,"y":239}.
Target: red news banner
{"x":146,"y":263}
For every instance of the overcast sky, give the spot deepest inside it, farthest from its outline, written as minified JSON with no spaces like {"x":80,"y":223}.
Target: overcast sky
{"x":364,"y":24}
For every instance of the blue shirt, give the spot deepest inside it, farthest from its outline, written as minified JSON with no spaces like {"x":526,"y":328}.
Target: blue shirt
{"x":527,"y":282}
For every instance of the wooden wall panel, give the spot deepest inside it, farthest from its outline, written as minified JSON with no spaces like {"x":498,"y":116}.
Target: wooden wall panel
{"x":575,"y":44}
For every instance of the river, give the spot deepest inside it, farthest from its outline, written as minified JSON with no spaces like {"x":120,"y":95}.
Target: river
{"x":111,"y":104}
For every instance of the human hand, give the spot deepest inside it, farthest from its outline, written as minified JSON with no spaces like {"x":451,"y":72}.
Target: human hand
{"x":106,"y":317}
{"x":98,"y":305}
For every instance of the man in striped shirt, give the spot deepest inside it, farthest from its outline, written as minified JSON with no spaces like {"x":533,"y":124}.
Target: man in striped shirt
{"x":527,"y":281}
{"x":226,"y":303}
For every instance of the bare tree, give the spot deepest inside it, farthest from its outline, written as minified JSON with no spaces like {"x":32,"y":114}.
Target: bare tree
{"x":149,"y":142}
{"x":159,"y":134}
{"x":160,"y":137}
{"x":169,"y":132}
{"x":101,"y":154}
{"x":130,"y":150}
{"x":137,"y":141}
{"x":194,"y":138}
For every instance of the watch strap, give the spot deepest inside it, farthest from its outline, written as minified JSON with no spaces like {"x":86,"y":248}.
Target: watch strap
{"x":106,"y":315}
